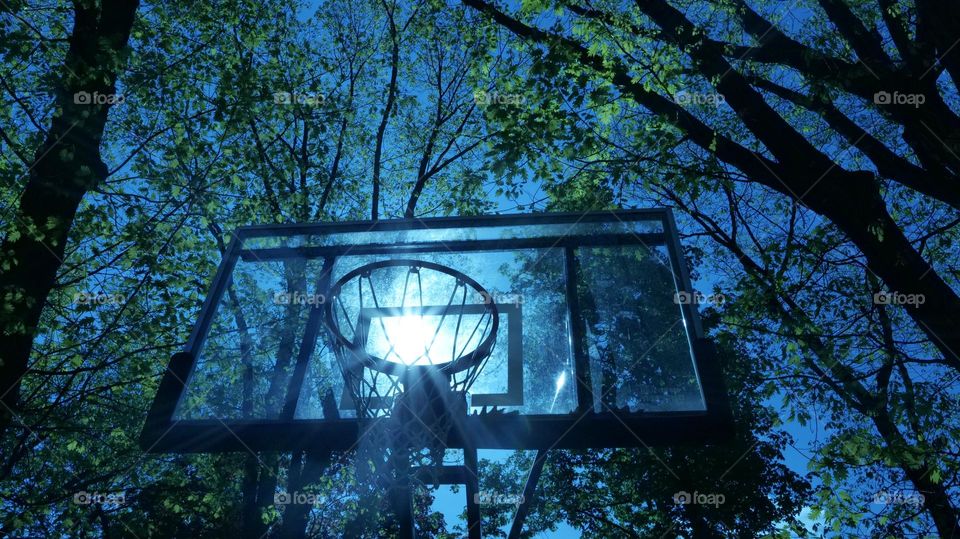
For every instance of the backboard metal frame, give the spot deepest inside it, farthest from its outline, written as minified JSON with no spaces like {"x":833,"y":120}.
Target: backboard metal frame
{"x":585,"y":428}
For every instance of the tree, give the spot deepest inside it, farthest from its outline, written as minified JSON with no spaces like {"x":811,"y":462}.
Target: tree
{"x":204,"y":144}
{"x":711,"y":106}
{"x":31,"y":254}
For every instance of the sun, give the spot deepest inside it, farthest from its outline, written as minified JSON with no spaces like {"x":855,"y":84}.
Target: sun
{"x":415,"y":340}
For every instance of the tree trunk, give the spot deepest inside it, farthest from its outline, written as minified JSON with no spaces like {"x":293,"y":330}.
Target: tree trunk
{"x":296,"y":516}
{"x":382,"y":128}
{"x":65,"y":167}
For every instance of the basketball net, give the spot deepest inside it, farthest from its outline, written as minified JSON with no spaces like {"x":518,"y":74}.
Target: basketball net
{"x":408,"y":407}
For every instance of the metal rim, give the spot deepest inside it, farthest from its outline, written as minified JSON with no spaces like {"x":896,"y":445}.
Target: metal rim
{"x":464,"y":362}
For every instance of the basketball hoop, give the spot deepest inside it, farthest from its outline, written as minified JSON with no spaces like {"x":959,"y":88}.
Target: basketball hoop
{"x":411,"y":337}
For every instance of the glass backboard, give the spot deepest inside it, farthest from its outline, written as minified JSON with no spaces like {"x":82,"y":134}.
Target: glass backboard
{"x":595,"y":344}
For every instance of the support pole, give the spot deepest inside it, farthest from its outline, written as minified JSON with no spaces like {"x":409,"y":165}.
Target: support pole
{"x":473,"y":493}
{"x":528,"y":491}
{"x":401,"y":496}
